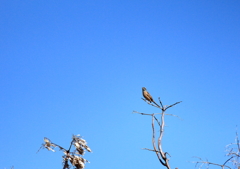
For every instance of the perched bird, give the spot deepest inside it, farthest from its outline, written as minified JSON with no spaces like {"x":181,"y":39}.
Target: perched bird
{"x":147,"y":96}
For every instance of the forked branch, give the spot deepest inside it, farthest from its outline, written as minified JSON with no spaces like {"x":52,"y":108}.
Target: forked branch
{"x":157,"y":146}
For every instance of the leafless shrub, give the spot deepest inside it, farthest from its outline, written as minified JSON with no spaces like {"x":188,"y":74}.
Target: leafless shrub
{"x":233,"y":154}
{"x":75,"y":156}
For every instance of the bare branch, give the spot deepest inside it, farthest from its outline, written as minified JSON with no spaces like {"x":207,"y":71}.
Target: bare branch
{"x":237,"y":140}
{"x":167,"y":153}
{"x":142,"y":113}
{"x":156,"y":114}
{"x":227,"y":160}
{"x":40,"y":148}
{"x":157,"y":121}
{"x":233,"y":154}
{"x":174,"y":116}
{"x":208,"y":163}
{"x":172,"y":105}
{"x":150,"y":103}
{"x":160,"y":101}
{"x":153,"y":142}
{"x":150,"y":150}
{"x":163,"y":155}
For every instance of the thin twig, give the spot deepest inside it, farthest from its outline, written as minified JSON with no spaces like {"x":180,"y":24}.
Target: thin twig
{"x":71,"y":145}
{"x":227,"y":160}
{"x":156,"y":114}
{"x":40,"y":148}
{"x":150,"y":150}
{"x":172,"y":105}
{"x":157,"y":121}
{"x":160,"y":101}
{"x":167,"y":153}
{"x":208,"y":163}
{"x":150,"y":103}
{"x":142,"y":113}
{"x":237,"y":141}
{"x":174,"y":116}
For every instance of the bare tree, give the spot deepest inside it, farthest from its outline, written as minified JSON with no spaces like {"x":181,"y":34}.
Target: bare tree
{"x":75,"y":156}
{"x":157,"y":147}
{"x":233,"y":149}
{"x":233,"y":154}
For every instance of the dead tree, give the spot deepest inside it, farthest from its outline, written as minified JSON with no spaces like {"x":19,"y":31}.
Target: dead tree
{"x":233,"y":154}
{"x":75,"y":157}
{"x":157,"y":147}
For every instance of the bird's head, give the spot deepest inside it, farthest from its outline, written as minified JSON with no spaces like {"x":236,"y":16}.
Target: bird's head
{"x":144,"y":88}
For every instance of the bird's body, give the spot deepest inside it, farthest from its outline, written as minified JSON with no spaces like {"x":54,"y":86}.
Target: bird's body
{"x":147,"y":96}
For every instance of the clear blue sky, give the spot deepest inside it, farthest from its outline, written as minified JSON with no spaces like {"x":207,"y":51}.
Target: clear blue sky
{"x":78,"y":66}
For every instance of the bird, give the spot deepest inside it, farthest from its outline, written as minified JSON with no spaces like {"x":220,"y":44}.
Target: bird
{"x":147,"y":96}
